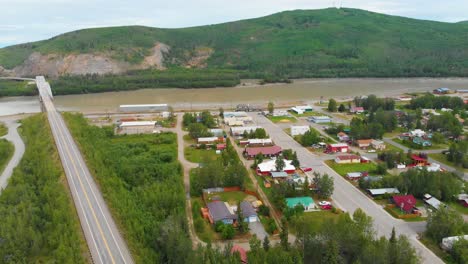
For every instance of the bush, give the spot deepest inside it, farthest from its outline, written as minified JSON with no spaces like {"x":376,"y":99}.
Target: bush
{"x":228,"y":232}
{"x":264,"y":210}
{"x":199,"y":224}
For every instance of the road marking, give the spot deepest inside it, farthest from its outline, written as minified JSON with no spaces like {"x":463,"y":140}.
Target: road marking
{"x":47,"y":102}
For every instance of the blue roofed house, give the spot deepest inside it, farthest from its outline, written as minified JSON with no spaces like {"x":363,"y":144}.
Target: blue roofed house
{"x":219,"y":211}
{"x":422,"y":142}
{"x":305,"y":201}
{"x":248,"y":212}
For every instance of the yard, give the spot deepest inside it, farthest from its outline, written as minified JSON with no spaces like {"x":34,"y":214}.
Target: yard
{"x":3,"y":130}
{"x":392,"y":147}
{"x":312,"y":221}
{"x":282,"y":119}
{"x":203,"y":228}
{"x":458,"y":207}
{"x":343,"y":169}
{"x":305,"y":114}
{"x":399,"y":214}
{"x":232,"y":198}
{"x":443,"y":159}
{"x":412,"y":145}
{"x":197,"y":155}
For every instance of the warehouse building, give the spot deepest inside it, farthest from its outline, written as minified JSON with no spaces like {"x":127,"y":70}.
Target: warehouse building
{"x":137,"y":127}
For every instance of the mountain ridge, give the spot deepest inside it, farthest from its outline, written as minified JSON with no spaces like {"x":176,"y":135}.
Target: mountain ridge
{"x":300,"y":43}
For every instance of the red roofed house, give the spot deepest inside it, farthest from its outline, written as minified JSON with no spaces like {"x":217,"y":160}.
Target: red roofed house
{"x":338,"y":147}
{"x":406,"y":203}
{"x":272,"y":151}
{"x":363,"y":143}
{"x":348,"y":159}
{"x":419,"y":161}
{"x":241,"y":251}
{"x":220,"y":146}
{"x":268,"y":168}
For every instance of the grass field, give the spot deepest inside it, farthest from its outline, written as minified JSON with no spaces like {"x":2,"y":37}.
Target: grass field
{"x":197,"y":155}
{"x":305,"y":114}
{"x":312,"y":221}
{"x":411,"y":145}
{"x":343,"y":169}
{"x":443,"y":159}
{"x":460,"y":208}
{"x":203,"y":228}
{"x":232,"y":198}
{"x":3,"y":130}
{"x":282,"y":119}
{"x":392,"y":147}
{"x":6,"y":152}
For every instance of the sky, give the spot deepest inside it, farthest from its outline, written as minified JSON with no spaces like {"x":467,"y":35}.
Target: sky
{"x":31,"y":20}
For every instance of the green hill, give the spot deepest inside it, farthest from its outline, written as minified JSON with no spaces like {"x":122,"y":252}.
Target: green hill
{"x":303,"y":43}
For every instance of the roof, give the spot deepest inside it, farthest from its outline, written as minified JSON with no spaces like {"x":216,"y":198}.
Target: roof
{"x":305,"y":201}
{"x":364,"y":141}
{"x":339,"y":145}
{"x":242,"y":252}
{"x":259,"y":141}
{"x":303,"y":107}
{"x":383,"y":191}
{"x":279,"y":174}
{"x":434,"y":202}
{"x":417,"y":158}
{"x":300,"y":127}
{"x":342,"y":134}
{"x":207,"y":139}
{"x":247,"y":128}
{"x":377,"y":142}
{"x":137,"y":123}
{"x":271,"y":150}
{"x":447,"y":243}
{"x":247,"y":209}
{"x":348,"y":157}
{"x":236,"y":114}
{"x":320,"y":117}
{"x":354,"y":174}
{"x":405,"y":202}
{"x":219,"y":211}
{"x":270,"y":166}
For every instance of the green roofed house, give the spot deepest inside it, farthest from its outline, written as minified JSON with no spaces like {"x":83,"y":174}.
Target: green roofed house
{"x":305,"y":201}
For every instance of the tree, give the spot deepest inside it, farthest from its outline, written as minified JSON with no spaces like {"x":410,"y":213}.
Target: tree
{"x":243,"y":226}
{"x":284,"y":235}
{"x":279,"y":163}
{"x":171,"y":113}
{"x":197,"y":130}
{"x":444,"y":222}
{"x":309,"y":138}
{"x":331,"y":253}
{"x":207,"y":119}
{"x":324,"y":185}
{"x":341,"y":108}
{"x":332,"y":105}
{"x":221,"y":112}
{"x":266,"y":243}
{"x":460,"y":251}
{"x":271,"y":107}
{"x":228,"y":232}
{"x":255,"y":244}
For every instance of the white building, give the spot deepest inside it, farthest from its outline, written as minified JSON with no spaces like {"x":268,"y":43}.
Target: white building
{"x":209,"y":140}
{"x":137,"y":127}
{"x":234,"y":114}
{"x":237,"y":120}
{"x":447,"y":243}
{"x":144,"y":108}
{"x":238,"y":131}
{"x":301,"y":109}
{"x":320,"y":119}
{"x":417,"y":133}
{"x":299,"y":130}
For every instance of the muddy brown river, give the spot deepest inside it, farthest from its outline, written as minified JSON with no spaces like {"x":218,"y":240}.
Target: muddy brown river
{"x":300,"y":91}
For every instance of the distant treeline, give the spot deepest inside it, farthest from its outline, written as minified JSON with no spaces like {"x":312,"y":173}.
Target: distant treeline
{"x":133,"y":80}
{"x":16,"y":88}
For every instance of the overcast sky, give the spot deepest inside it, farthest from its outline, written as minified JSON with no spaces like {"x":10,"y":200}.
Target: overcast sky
{"x":31,"y":20}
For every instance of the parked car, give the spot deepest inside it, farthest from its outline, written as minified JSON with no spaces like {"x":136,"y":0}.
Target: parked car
{"x":371,"y":151}
{"x":306,"y":169}
{"x":325,"y":205}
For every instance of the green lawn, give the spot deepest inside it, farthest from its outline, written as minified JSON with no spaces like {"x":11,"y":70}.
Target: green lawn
{"x":6,"y":151}
{"x":312,"y":221}
{"x":418,"y":147}
{"x":282,"y":119}
{"x":196,"y":155}
{"x":203,"y":228}
{"x":443,"y":159}
{"x":394,"y":211}
{"x":232,"y":198}
{"x":460,"y":208}
{"x":3,"y":130}
{"x":392,"y":147}
{"x":343,"y":169}
{"x":305,"y":114}
{"x":188,"y":139}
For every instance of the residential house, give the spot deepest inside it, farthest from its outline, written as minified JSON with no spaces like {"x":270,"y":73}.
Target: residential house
{"x":357,"y":110}
{"x":210,"y":140}
{"x":433,"y":202}
{"x":320,"y":119}
{"x":447,"y":243}
{"x":442,"y":90}
{"x":305,"y":201}
{"x":342,"y":137}
{"x":248,"y":212}
{"x":406,"y":203}
{"x":418,"y":160}
{"x":301,"y":109}
{"x":235,"y":114}
{"x":299,"y":130}
{"x":220,"y":147}
{"x":382,"y":191}
{"x":267,"y":167}
{"x":348,"y":159}
{"x":237,"y":120}
{"x":338,"y":147}
{"x":271,"y":151}
{"x":256,"y":142}
{"x":363,"y":143}
{"x":354,"y":176}
{"x":239,"y":131}
{"x":417,"y":133}
{"x":463,"y":199}
{"x":220,"y":211}
{"x":378,"y":144}
{"x":280,"y":113}
{"x":136,"y":127}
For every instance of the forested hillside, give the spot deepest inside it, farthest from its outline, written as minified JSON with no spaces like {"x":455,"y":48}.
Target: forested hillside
{"x":304,"y":43}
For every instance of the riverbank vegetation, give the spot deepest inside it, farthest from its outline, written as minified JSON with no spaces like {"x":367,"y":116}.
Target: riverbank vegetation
{"x":133,"y":80}
{"x":17,"y":88}
{"x":38,"y":220}
{"x":141,"y":180}
{"x":3,"y":129}
{"x":6,"y":151}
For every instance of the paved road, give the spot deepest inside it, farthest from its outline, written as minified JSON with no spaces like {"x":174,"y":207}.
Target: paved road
{"x":346,"y":196}
{"x":15,"y":138}
{"x":104,"y":240}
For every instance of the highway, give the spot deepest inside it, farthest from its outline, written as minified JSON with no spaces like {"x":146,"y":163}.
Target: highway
{"x":346,"y":196}
{"x":105,"y":243}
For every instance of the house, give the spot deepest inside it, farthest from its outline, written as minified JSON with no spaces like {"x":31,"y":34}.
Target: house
{"x":432,"y":201}
{"x":210,"y":140}
{"x":220,"y":211}
{"x":348,"y":159}
{"x":217,"y":132}
{"x":256,"y":142}
{"x":365,"y":159}
{"x":237,"y":120}
{"x":242,"y":253}
{"x":463,"y":199}
{"x":447,"y":243}
{"x":320,"y":119}
{"x":299,"y":130}
{"x":338,"y":147}
{"x":301,"y":109}
{"x":357,"y":110}
{"x":136,"y":127}
{"x":363,"y":143}
{"x":239,"y":131}
{"x":271,"y":151}
{"x":441,"y":90}
{"x":248,"y":212}
{"x":342,"y":137}
{"x":417,"y":133}
{"x":406,"y":203}
{"x":354,"y":176}
{"x":305,"y":201}
{"x":378,"y":144}
{"x":280,"y":113}
{"x":221,"y":147}
{"x":422,"y":142}
{"x":419,"y":161}
{"x":382,"y":191}
{"x":267,"y":167}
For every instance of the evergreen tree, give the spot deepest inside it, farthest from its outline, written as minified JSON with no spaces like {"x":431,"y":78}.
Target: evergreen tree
{"x":266,"y":243}
{"x":271,"y":107}
{"x":279,"y":163}
{"x":332,"y":105}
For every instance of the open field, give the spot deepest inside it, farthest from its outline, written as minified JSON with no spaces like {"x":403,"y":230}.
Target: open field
{"x":411,"y":145}
{"x":198,"y":155}
{"x":282,"y":119}
{"x":343,"y":169}
{"x":313,"y":221}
